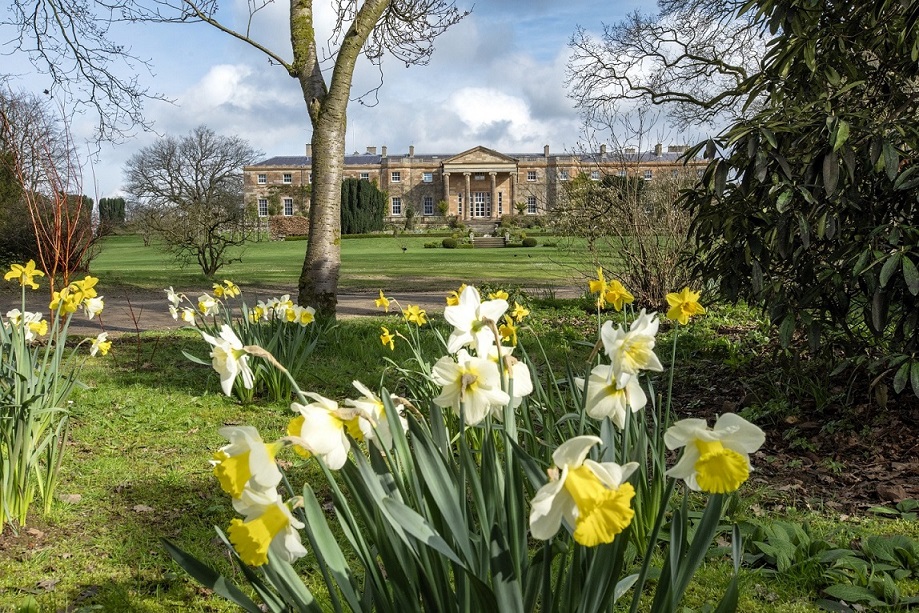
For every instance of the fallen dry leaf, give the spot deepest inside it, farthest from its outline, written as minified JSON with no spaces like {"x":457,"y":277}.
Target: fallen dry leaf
{"x":47,"y":584}
{"x":35,"y":532}
{"x":70,"y":498}
{"x":141,"y":508}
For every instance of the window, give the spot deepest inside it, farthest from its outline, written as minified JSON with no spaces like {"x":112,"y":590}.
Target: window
{"x":562,"y":175}
{"x":500,"y":203}
{"x":365,"y":176}
{"x":395,"y":176}
{"x":263,"y":207}
{"x":531,"y":205}
{"x":479,"y":177}
{"x":262,"y":178}
{"x":397,"y":206}
{"x":531,"y":175}
{"x":459,"y":205}
{"x":288,"y":206}
{"x":594,"y":175}
{"x":427,"y":177}
{"x":621,"y":172}
{"x":428,"y":205}
{"x":649,"y":174}
{"x":288,"y":178}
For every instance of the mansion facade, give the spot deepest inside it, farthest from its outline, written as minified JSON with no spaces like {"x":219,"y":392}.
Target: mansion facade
{"x":479,"y":184}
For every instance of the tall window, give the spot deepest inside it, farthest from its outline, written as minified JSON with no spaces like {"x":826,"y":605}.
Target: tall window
{"x":427,"y":177}
{"x":288,"y":178}
{"x":500,"y":203}
{"x":288,"y":206}
{"x":594,"y":175}
{"x":531,"y":205}
{"x":649,"y":174}
{"x":531,"y":175}
{"x":263,"y":207}
{"x":397,"y":206}
{"x":262,"y":178}
{"x":459,"y":204}
{"x":429,"y":205}
{"x":395,"y":176}
{"x":562,"y":175}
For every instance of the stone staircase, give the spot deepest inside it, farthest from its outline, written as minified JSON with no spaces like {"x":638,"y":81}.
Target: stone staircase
{"x":487,"y":242}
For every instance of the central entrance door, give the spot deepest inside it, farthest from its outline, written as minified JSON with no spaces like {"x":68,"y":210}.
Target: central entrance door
{"x":481,"y":204}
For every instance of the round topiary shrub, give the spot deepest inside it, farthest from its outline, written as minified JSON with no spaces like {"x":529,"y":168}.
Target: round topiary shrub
{"x":529,"y":242}
{"x":449,"y":243}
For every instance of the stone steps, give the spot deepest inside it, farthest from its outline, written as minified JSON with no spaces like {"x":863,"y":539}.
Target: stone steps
{"x":488,"y":242}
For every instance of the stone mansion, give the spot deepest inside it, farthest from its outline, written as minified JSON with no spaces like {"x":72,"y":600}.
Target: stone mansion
{"x":479,"y":184}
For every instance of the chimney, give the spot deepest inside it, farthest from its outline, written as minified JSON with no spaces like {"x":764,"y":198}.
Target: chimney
{"x":658,"y":149}
{"x":371,"y":150}
{"x":383,"y":153}
{"x":411,"y":151}
{"x":545,"y":151}
{"x":602,"y":150}
{"x":630,"y":149}
{"x":309,"y":150}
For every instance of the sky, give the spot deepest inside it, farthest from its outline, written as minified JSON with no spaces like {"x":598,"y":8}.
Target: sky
{"x":496,"y":79}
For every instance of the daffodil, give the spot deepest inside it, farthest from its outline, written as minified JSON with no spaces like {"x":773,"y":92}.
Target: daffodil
{"x":268,"y":525}
{"x":38,"y":328}
{"x":382,"y":302}
{"x":415,"y":315}
{"x":606,"y":398}
{"x":598,"y":286}
{"x":472,"y":319}
{"x":322,"y":429}
{"x":372,"y":418}
{"x":208,"y":305}
{"x":470,"y":384}
{"x":519,"y":312}
{"x":617,"y":295}
{"x":174,"y":298}
{"x":453,"y":297}
{"x":64,"y":301}
{"x":189,"y":316}
{"x":498,"y":295}
{"x":30,"y":323}
{"x":24,"y":274}
{"x":217,"y":289}
{"x":632,"y":351}
{"x":514,"y":370}
{"x":84,"y":289}
{"x":592,"y":497}
{"x":684,"y":305}
{"x":93,"y":306}
{"x":508,"y":330}
{"x":387,"y":338}
{"x":101,"y":344}
{"x":230,"y":289}
{"x":246,"y":462}
{"x":715,"y":460}
{"x":306,"y":315}
{"x":229,"y":359}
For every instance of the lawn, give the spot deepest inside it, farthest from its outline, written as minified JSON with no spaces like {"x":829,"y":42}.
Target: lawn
{"x":144,"y":428}
{"x":367,"y":263}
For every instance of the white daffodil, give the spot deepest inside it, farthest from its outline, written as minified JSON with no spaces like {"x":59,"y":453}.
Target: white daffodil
{"x":514,"y":370}
{"x":189,"y":316}
{"x":372,"y":421}
{"x":93,"y":306}
{"x":208,"y":305}
{"x":606,"y":399}
{"x":470,"y":319}
{"x":229,"y":359}
{"x":592,"y":497}
{"x":174,"y":298}
{"x":101,"y":344}
{"x":632,"y":351}
{"x":30,"y":323}
{"x":268,"y":525}
{"x":715,"y":460}
{"x":470,"y":384}
{"x":246,"y":463}
{"x":322,"y":429}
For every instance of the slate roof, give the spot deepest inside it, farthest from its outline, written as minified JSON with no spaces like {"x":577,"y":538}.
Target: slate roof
{"x":375,"y":159}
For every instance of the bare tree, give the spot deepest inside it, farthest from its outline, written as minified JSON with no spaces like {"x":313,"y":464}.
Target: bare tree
{"x":692,"y":57}
{"x":189,"y":194}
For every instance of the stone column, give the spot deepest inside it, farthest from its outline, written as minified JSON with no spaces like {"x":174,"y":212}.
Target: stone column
{"x":447,"y":190}
{"x":467,"y":213}
{"x":494,"y":194}
{"x":513,"y":203}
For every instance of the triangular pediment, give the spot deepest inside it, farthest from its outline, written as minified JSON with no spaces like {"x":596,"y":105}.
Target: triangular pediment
{"x":480,"y":155}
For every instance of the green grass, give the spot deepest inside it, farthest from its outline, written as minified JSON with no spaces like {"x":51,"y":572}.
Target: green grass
{"x":367,"y":263}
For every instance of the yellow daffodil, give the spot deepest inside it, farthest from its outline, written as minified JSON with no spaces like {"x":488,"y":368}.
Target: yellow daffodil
{"x":268,"y":525}
{"x":246,"y":462}
{"x":592,"y":497}
{"x":606,"y":398}
{"x":470,"y":384}
{"x":39,"y":328}
{"x":256,"y":314}
{"x":453,"y":297}
{"x":519,"y":312}
{"x":101,"y":344}
{"x":306,"y":315}
{"x":387,"y":338}
{"x":498,"y":295}
{"x":229,"y":359}
{"x":715,"y":460}
{"x":508,"y":331}
{"x":415,"y":315}
{"x":470,"y":318}
{"x":632,"y":351}
{"x":684,"y":305}
{"x":84,"y":289}
{"x":218,"y":290}
{"x":382,"y":302}
{"x":617,"y":295}
{"x":208,"y":305}
{"x":599,"y":287}
{"x":64,"y":302}
{"x":322,"y":429}
{"x":230,"y":289}
{"x":24,"y":274}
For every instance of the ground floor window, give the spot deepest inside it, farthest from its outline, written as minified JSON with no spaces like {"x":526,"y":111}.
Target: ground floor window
{"x":263,"y":207}
{"x":397,"y":206}
{"x":428,"y":205}
{"x":531,"y":205}
{"x":288,"y":206}
{"x":481,"y":204}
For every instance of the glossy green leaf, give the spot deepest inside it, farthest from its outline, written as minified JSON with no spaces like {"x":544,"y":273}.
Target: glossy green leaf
{"x":889,"y":268}
{"x":210,"y":578}
{"x":910,"y":275}
{"x":830,"y":172}
{"x":842,"y":134}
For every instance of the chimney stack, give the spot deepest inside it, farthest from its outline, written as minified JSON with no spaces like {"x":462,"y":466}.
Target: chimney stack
{"x":602,"y":151}
{"x":371,"y":150}
{"x":545,"y":151}
{"x":383,"y":153}
{"x":309,"y":150}
{"x":411,"y":151}
{"x":658,"y":149}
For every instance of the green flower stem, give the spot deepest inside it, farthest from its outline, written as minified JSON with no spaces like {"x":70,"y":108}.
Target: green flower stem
{"x":652,"y":541}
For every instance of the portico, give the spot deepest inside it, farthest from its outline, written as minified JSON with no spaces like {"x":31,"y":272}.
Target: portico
{"x":480,"y":184}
